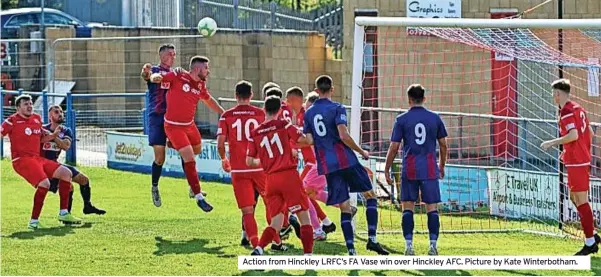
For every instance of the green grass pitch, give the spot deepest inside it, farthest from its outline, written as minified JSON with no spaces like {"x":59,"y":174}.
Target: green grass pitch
{"x":136,"y":238}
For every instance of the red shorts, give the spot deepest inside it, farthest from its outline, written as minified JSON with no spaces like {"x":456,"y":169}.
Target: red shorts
{"x":284,"y":189}
{"x":578,"y":178}
{"x":245,"y":184}
{"x":181,"y":136}
{"x":35,"y":169}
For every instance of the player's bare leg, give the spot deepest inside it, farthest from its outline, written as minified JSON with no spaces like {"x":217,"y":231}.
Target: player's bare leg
{"x":38,"y":203}
{"x":591,"y":243}
{"x":86,"y":194}
{"x":64,"y":189}
{"x":269,"y":234}
{"x":371,"y":213}
{"x":433,"y":228}
{"x":187,"y":154}
{"x":408,"y":224}
{"x":157,"y":169}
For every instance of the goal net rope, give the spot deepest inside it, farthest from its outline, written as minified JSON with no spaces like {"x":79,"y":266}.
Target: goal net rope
{"x":490,"y":81}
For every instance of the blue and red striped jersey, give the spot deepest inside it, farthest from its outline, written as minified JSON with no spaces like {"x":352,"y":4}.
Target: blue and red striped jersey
{"x":321,"y":121}
{"x":157,"y":104}
{"x":50,"y":150}
{"x":419,"y":130}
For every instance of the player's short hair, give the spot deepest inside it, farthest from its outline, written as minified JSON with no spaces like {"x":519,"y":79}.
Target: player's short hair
{"x":267,"y":86}
{"x":166,"y":46}
{"x":323,"y":83}
{"x":21,"y":98}
{"x":198,"y":59}
{"x":562,"y":84}
{"x":54,"y":107}
{"x":272,"y":104}
{"x":274,"y":92}
{"x":416,"y":93}
{"x":312,"y":97}
{"x":244,"y":89}
{"x":296,"y":91}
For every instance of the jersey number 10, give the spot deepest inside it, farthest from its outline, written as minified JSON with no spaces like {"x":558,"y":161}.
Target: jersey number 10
{"x":247,"y":128}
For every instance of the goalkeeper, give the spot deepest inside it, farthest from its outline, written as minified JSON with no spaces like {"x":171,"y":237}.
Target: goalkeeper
{"x":419,"y":129}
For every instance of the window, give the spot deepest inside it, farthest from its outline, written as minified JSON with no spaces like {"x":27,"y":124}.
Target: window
{"x":56,"y":19}
{"x":22,"y":19}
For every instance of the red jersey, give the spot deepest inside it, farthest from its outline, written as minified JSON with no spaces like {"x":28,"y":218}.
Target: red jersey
{"x":236,"y":124}
{"x":183,"y":97}
{"x":285,"y":112}
{"x":270,"y":142}
{"x":25,"y":135}
{"x":578,"y":152}
{"x":308,"y":152}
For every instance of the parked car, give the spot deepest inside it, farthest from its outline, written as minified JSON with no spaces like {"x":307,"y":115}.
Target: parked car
{"x":11,"y":20}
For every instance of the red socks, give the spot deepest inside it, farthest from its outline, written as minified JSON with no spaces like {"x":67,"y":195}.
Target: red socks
{"x":268,"y":235}
{"x":38,"y":202}
{"x":192,"y":176}
{"x":305,"y":172}
{"x":64,"y":189}
{"x":320,"y":213}
{"x":307,"y":238}
{"x":586,"y":219}
{"x":250,"y":226}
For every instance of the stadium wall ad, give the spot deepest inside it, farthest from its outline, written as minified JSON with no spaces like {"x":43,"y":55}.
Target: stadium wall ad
{"x":508,"y":193}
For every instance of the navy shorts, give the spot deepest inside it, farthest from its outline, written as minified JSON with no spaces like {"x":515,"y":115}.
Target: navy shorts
{"x":54,"y":182}
{"x":342,"y":182}
{"x":430,"y":190}
{"x":156,"y":130}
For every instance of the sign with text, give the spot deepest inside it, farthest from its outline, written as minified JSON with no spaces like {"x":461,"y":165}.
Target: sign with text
{"x":523,"y":194}
{"x":431,"y":9}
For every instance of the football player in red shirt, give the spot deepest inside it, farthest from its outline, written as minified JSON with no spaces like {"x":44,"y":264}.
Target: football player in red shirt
{"x":235,"y":126}
{"x":294,"y":99}
{"x":186,"y":89}
{"x":24,"y":129}
{"x":269,"y":147}
{"x":576,"y":138}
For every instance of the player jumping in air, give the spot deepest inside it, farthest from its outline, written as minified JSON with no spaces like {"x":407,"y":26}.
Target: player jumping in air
{"x":156,"y":113}
{"x":576,"y":138}
{"x":325,"y":124}
{"x":51,"y":150}
{"x":313,"y":186}
{"x":419,"y":130}
{"x":185,"y":90}
{"x":269,"y":147}
{"x":24,"y":129}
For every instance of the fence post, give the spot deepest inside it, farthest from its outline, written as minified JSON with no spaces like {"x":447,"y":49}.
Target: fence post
{"x":235,"y":11}
{"x":70,"y":157}
{"x":2,"y":120}
{"x":460,"y":136}
{"x":524,"y":140}
{"x":45,"y":106}
{"x":145,"y":112}
{"x":273,"y":7}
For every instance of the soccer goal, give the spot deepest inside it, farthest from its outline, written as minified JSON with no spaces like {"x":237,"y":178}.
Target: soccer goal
{"x":490,"y":81}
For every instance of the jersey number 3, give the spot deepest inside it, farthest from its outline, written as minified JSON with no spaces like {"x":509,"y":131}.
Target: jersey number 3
{"x":265,"y":142}
{"x":583,"y":117}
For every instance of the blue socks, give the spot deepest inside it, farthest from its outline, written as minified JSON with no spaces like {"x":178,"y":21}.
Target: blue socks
{"x":433,"y":226}
{"x":371,"y":213}
{"x":408,"y":225}
{"x":156,"y":173}
{"x":347,"y":230}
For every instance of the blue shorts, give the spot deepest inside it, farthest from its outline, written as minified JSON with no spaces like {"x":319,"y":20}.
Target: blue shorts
{"x":342,"y":182}
{"x":54,"y":182}
{"x":429,"y":188}
{"x":156,"y":130}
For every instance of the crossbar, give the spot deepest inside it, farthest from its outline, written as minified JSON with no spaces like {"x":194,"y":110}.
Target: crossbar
{"x":479,"y":23}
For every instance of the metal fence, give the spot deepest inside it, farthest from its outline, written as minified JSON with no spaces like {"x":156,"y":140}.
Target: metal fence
{"x":22,"y":64}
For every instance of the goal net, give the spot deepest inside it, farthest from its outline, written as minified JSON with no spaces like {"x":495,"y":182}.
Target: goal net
{"x":490,"y":80}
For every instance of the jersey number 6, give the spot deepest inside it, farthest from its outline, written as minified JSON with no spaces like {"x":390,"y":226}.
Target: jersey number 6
{"x":320,"y":128}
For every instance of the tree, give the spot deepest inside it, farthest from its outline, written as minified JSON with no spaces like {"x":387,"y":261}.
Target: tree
{"x":9,"y":4}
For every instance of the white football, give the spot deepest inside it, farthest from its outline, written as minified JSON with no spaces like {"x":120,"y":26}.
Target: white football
{"x":207,"y":27}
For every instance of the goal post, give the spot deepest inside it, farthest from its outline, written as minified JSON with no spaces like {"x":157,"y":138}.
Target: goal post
{"x":489,"y":79}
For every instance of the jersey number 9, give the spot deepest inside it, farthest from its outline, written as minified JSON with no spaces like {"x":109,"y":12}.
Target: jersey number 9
{"x":420,"y":133}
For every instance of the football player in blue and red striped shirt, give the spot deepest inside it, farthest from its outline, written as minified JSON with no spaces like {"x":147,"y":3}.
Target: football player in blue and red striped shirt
{"x":419,"y":130}
{"x":325,"y":122}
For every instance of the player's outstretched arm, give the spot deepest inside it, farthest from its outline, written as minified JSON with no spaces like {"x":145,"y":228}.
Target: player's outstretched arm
{"x":393,"y":149}
{"x":349,"y":141}
{"x":156,"y":78}
{"x":213,"y":105}
{"x":572,"y":135}
{"x":145,"y":74}
{"x":63,"y":144}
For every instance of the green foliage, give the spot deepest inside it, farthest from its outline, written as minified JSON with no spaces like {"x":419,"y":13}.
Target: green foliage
{"x":303,"y":5}
{"x":9,"y":4}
